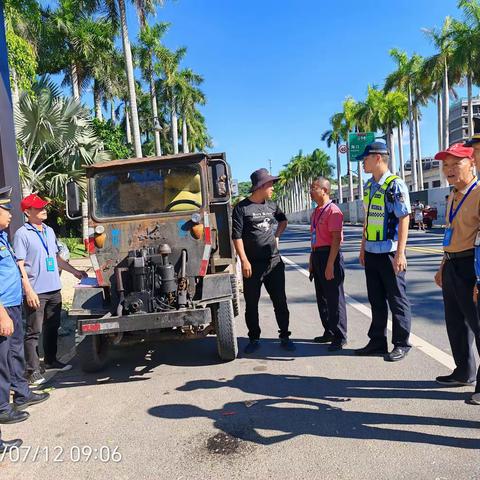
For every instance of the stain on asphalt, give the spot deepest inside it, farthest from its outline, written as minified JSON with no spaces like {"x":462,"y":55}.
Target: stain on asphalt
{"x":261,"y":368}
{"x":222,"y":444}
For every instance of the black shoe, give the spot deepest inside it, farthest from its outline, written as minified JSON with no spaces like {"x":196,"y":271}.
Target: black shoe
{"x":397,"y":354}
{"x":451,"y":381}
{"x":325,"y":338}
{"x":253,"y":346}
{"x":35,"y":378}
{"x":57,"y":365}
{"x":372,"y":349}
{"x":32,"y":400}
{"x":474,"y":399}
{"x":336,"y":346}
{"x":6,"y":445}
{"x":287,"y":344}
{"x":13,"y":416}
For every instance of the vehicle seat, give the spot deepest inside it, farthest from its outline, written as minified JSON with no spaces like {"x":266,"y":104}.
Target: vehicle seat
{"x":182,"y":186}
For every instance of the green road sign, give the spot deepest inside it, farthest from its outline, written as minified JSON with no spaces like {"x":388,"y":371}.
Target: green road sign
{"x":357,"y":143}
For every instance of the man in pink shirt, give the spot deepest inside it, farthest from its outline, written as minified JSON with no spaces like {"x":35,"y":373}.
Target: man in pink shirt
{"x":326,"y":265}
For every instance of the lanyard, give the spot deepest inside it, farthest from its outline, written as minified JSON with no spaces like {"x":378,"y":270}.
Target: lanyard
{"x":316,"y":220}
{"x":452,"y":214}
{"x":41,"y":237}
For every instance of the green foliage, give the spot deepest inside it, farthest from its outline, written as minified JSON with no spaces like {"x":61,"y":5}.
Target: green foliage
{"x":22,"y":22}
{"x":75,"y":245}
{"x":113,"y":138}
{"x":55,"y":138}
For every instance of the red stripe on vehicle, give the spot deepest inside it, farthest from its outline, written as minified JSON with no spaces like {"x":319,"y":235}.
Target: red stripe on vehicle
{"x":91,"y":327}
{"x":208,"y":236}
{"x":99,"y":275}
{"x":203,"y":267}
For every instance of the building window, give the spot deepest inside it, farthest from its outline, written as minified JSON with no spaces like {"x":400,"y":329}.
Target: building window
{"x":435,"y":183}
{"x":425,"y":185}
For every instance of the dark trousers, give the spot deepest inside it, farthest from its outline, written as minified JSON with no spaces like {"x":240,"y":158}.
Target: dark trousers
{"x":461,"y":316}
{"x":44,"y":320}
{"x":12,"y":362}
{"x":272,"y":275}
{"x":387,"y":289}
{"x":330,"y":294}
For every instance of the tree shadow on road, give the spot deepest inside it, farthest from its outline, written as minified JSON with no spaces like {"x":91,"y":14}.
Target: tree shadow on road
{"x":296,"y":410}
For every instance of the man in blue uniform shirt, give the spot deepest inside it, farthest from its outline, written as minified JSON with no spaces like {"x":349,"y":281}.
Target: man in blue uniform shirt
{"x":382,"y":253}
{"x":12,"y":362}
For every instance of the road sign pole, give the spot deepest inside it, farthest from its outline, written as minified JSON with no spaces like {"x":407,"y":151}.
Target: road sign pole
{"x":8,"y":149}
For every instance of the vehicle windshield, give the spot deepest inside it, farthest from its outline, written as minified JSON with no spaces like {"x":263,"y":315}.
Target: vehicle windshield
{"x":147,"y":190}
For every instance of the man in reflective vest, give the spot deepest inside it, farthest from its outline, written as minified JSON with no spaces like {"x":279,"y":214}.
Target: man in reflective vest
{"x":382,"y":253}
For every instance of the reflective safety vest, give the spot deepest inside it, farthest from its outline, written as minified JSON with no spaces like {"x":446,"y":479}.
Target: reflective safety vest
{"x":376,"y":215}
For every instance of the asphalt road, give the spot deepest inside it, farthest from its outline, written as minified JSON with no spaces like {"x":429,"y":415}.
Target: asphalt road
{"x":173,"y":411}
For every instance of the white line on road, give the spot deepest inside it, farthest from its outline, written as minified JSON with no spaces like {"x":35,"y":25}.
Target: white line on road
{"x":417,"y":342}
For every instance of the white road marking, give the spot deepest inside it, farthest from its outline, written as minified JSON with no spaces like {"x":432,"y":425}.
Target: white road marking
{"x":417,"y":342}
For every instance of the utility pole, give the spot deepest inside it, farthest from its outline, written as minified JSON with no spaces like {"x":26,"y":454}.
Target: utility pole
{"x":270,"y":166}
{"x":8,"y":149}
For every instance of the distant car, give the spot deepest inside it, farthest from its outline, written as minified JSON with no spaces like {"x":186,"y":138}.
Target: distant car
{"x":429,"y":215}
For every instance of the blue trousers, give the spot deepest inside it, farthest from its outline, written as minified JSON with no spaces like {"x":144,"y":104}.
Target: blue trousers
{"x":386,"y":289}
{"x":12,"y":362}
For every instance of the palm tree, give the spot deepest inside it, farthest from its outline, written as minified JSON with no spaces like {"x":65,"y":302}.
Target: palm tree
{"x":55,"y":138}
{"x":403,"y":79}
{"x":466,"y":51}
{"x":189,"y":96}
{"x":168,"y":70}
{"x":147,"y":50}
{"x":440,"y":62}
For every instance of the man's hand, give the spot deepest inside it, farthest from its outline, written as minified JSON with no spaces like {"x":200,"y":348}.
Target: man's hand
{"x":246,"y":268}
{"x":438,"y":277}
{"x":32,"y":299}
{"x":475,"y":294}
{"x":399,"y":262}
{"x":329,"y":271}
{"x":361,"y":257}
{"x":6,"y":326}
{"x":80,"y":274}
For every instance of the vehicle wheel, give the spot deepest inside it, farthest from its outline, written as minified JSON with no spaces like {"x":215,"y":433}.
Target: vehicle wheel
{"x":225,"y":328}
{"x":93,"y":353}
{"x":236,"y":295}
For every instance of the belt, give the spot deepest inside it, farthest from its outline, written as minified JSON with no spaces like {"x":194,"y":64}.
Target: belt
{"x":321,"y":249}
{"x":464,"y":254}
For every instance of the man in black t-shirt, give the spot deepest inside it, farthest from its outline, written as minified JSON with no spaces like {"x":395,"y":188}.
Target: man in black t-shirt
{"x":256,"y":244}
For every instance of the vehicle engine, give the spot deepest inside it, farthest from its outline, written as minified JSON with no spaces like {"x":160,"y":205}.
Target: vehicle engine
{"x":151,"y":283}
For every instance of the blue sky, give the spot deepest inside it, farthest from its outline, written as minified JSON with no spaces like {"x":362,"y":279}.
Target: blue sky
{"x":276,"y":70}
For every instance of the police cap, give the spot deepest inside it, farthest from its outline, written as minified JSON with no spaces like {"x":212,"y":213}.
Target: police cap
{"x":5,"y":194}
{"x":375,"y":147}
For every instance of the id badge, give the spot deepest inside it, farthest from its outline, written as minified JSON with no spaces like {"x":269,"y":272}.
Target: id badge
{"x":447,"y":239}
{"x":50,"y":264}
{"x":314,"y":238}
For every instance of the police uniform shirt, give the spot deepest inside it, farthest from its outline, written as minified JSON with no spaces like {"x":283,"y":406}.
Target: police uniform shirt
{"x":466,"y":223}
{"x":10,"y":279}
{"x":398,"y":203}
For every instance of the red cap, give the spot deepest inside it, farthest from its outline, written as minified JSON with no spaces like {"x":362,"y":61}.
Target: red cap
{"x":34,"y":201}
{"x":456,"y":150}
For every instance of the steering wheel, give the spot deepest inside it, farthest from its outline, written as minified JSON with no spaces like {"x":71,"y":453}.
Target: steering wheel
{"x":178,"y":202}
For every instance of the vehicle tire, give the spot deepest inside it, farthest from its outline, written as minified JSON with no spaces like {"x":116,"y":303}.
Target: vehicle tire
{"x":236,"y":295}
{"x":93,"y":353}
{"x":225,"y":328}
